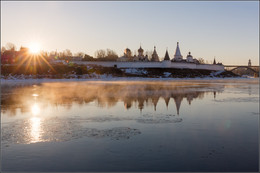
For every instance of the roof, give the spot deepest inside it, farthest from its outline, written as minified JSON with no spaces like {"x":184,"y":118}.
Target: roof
{"x":140,"y":49}
{"x":177,"y":52}
{"x":166,"y":57}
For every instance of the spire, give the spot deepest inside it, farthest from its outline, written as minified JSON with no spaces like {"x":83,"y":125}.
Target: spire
{"x":177,"y":52}
{"x":214,"y":62}
{"x":154,"y":50}
{"x":177,"y":55}
{"x":154,"y":55}
{"x":166,"y":57}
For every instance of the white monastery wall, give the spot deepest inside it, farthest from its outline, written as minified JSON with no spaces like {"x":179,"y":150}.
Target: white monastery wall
{"x":162,"y":64}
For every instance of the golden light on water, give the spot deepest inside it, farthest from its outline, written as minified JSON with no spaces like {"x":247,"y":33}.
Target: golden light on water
{"x":35,"y":129}
{"x":35,"y":109}
{"x":35,"y":124}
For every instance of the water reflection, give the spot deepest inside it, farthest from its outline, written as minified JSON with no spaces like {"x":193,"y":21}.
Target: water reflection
{"x":142,"y":94}
{"x":104,"y":121}
{"x":35,"y":123}
{"x":39,"y":128}
{"x":35,"y":109}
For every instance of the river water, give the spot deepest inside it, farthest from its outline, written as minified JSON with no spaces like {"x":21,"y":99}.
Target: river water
{"x":180,"y":125}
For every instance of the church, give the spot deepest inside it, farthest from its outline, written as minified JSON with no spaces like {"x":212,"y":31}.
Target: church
{"x":143,"y":61}
{"x":127,"y":57}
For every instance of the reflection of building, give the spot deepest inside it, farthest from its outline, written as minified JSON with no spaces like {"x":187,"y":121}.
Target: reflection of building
{"x":177,"y":101}
{"x":167,"y":100}
{"x":104,"y":95}
{"x":155,"y":100}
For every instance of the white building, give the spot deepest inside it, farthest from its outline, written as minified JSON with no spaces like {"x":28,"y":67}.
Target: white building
{"x":141,"y":61}
{"x":177,"y":55}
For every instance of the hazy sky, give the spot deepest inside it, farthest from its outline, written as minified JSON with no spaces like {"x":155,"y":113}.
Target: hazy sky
{"x":228,"y":31}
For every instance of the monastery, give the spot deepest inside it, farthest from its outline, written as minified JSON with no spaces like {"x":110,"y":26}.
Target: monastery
{"x":155,"y":58}
{"x":142,"y":61}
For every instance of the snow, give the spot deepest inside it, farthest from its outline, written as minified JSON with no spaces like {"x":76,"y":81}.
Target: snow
{"x":166,"y":74}
{"x":217,"y":73}
{"x":135,"y":71}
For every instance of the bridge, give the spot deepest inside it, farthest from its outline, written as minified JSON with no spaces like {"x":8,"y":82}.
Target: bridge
{"x":240,"y":69}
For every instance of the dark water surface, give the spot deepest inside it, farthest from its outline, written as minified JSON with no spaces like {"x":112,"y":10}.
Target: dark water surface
{"x":199,"y":125}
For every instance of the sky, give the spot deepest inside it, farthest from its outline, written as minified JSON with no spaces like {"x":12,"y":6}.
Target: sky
{"x":228,"y":31}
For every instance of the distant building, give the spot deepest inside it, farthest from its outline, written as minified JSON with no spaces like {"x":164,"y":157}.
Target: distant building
{"x":214,"y":62}
{"x":189,"y":58}
{"x":141,"y":56}
{"x":155,"y":56}
{"x":166,"y":57}
{"x":127,"y":56}
{"x":177,"y":55}
{"x":141,"y":61}
{"x":249,"y":63}
{"x":14,"y":57}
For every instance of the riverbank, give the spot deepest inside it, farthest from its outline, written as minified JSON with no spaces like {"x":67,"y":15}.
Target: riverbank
{"x":14,"y":80}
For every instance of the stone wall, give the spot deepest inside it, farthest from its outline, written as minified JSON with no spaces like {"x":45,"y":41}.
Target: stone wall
{"x":162,"y":64}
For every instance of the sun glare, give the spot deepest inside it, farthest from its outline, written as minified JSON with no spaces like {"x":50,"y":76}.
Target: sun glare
{"x":34,"y":48}
{"x":35,"y":109}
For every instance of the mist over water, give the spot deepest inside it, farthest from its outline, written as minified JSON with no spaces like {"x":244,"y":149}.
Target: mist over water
{"x":192,"y":125}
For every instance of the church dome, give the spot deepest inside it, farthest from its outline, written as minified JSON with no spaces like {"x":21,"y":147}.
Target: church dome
{"x":189,"y":56}
{"x":127,"y":51}
{"x":140,"y":49}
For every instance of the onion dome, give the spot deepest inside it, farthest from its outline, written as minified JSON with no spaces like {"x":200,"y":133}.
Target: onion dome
{"x":140,"y":49}
{"x":189,"y":55}
{"x":127,"y":50}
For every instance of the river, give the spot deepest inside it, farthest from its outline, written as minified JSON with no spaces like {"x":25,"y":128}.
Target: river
{"x":181,"y":125}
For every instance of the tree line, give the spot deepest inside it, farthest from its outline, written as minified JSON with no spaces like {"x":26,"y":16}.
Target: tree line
{"x":10,"y":50}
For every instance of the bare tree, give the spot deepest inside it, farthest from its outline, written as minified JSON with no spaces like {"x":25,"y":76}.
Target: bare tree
{"x":149,"y":54}
{"x":111,"y":55}
{"x":201,"y":60}
{"x":80,"y":54}
{"x":100,"y":53}
{"x":67,"y":52}
{"x":3,"y":49}
{"x":10,"y":46}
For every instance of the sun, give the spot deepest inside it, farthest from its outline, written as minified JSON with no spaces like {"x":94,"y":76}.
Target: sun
{"x":34,"y":48}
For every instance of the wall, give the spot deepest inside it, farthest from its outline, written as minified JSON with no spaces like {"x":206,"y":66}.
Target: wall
{"x":162,"y":64}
